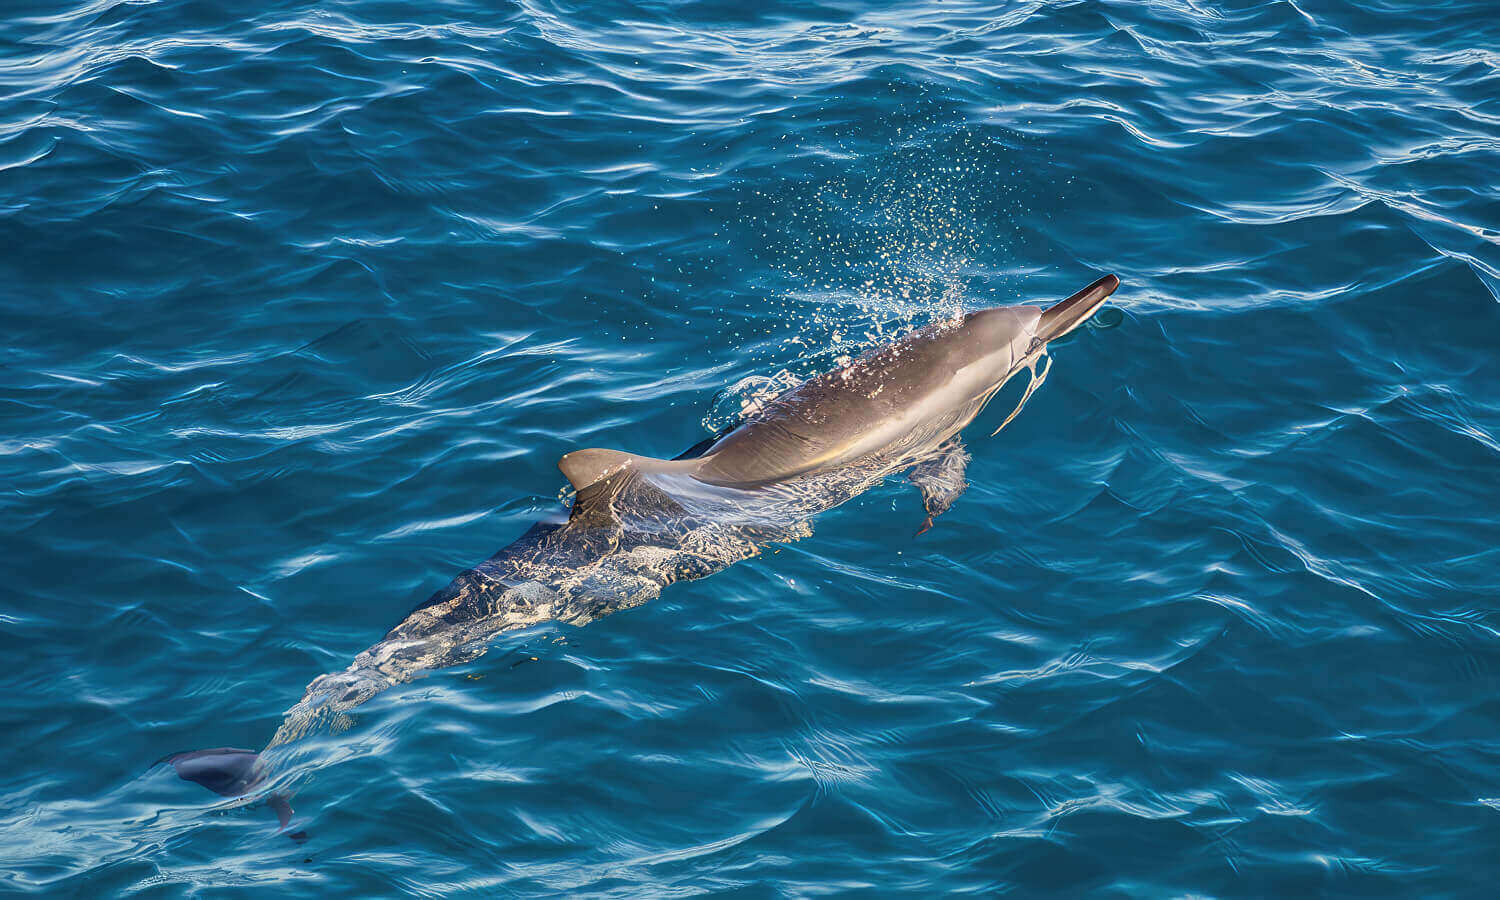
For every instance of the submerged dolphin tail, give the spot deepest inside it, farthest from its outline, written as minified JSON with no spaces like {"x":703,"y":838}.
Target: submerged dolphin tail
{"x":227,"y":771}
{"x":232,"y":772}
{"x":1061,"y":318}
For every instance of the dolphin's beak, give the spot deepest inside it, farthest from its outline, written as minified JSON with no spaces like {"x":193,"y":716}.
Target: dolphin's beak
{"x":1061,"y":318}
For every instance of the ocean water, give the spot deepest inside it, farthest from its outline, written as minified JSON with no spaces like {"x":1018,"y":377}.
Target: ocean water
{"x":301,"y":303}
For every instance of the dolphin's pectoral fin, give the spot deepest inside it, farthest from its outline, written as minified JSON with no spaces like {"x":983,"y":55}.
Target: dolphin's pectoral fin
{"x":941,"y":479}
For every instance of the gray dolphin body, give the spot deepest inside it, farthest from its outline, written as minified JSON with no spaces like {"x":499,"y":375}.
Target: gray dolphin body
{"x":891,"y":403}
{"x":638,"y":524}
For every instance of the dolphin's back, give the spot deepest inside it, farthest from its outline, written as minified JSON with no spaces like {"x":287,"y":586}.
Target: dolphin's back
{"x":891,"y":399}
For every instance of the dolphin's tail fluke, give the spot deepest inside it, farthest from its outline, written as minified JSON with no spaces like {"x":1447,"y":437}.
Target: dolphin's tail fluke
{"x":227,"y":771}
{"x":1061,"y":318}
{"x":231,"y":772}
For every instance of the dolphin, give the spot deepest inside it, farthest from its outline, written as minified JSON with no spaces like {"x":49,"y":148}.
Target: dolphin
{"x":638,"y":524}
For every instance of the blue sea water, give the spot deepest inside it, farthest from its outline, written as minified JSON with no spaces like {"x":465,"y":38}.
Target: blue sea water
{"x":301,"y":303}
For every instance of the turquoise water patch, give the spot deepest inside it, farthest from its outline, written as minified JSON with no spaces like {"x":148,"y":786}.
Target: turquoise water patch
{"x":303,"y":302}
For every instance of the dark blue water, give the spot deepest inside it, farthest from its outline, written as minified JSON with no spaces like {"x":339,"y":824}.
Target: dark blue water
{"x":302,"y":302}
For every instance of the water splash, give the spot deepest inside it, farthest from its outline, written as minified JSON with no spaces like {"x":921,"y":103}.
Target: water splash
{"x":870,"y":248}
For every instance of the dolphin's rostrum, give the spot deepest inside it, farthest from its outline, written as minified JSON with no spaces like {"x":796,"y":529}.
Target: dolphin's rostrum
{"x":638,"y":523}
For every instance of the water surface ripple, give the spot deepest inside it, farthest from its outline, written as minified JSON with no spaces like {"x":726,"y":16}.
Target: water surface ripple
{"x":303,"y":301}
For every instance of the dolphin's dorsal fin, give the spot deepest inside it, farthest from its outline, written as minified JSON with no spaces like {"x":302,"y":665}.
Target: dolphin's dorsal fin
{"x":586,"y":467}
